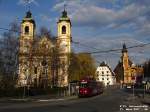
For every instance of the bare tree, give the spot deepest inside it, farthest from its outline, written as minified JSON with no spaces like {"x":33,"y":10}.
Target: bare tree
{"x":9,"y":53}
{"x":44,"y":32}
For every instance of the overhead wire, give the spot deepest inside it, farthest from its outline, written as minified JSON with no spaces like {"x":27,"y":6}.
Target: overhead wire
{"x":94,"y":52}
{"x":111,"y":50}
{"x":6,"y":29}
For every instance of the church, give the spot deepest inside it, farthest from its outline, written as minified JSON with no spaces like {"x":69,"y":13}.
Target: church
{"x":43,"y":61}
{"x":127,"y":72}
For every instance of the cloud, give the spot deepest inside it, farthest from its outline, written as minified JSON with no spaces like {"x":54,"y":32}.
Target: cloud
{"x":93,"y":16}
{"x":137,"y":55}
{"x":89,"y":13}
{"x":1,"y":36}
{"x":110,"y":23}
{"x":25,"y":2}
{"x":102,"y":43}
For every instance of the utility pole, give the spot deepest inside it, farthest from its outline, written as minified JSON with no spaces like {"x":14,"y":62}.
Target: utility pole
{"x":143,"y":85}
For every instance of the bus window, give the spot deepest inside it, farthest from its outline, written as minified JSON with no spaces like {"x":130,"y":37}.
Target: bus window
{"x":83,"y":85}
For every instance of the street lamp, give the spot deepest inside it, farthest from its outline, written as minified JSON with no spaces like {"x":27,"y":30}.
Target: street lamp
{"x":144,"y":82}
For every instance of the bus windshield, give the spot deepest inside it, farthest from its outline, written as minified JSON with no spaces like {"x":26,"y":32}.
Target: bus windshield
{"x":83,"y":85}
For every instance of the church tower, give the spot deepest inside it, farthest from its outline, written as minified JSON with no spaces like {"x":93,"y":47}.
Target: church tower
{"x":64,"y":45}
{"x":125,"y":57}
{"x":27,"y":33}
{"x":25,"y":47}
{"x":125,"y":62}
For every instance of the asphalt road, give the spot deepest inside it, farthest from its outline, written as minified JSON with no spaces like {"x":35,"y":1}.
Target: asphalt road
{"x":109,"y":101}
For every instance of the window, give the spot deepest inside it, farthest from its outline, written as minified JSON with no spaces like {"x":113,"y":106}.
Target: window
{"x":97,"y":72}
{"x":35,"y":70}
{"x":102,"y":72}
{"x":27,"y":30}
{"x":63,"y":29}
{"x":97,"y":75}
{"x":102,"y":78}
{"x":83,"y":85}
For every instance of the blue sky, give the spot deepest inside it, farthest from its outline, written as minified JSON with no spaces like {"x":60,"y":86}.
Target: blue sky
{"x":103,"y":24}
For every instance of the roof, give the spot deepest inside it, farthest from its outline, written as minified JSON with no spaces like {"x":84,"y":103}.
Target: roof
{"x":28,"y":18}
{"x":64,"y":14}
{"x":64,"y":17}
{"x":28,"y":14}
{"x":103,"y":64}
{"x":124,"y":48}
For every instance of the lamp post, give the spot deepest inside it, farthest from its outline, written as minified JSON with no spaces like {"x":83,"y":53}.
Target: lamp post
{"x":144,"y":82}
{"x":133,"y":77}
{"x":133,"y":82}
{"x":24,"y":89}
{"x":25,"y":83}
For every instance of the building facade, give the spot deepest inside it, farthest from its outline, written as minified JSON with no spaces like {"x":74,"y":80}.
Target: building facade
{"x":44,"y":61}
{"x":104,"y":74}
{"x":126,"y":72}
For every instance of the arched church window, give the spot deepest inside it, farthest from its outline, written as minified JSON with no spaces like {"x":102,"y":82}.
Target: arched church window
{"x":63,"y":29}
{"x":35,"y":70}
{"x":27,"y":30}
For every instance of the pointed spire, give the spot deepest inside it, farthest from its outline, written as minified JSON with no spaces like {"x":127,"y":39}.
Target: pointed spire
{"x":65,"y":7}
{"x":124,"y":48}
{"x":64,"y":13}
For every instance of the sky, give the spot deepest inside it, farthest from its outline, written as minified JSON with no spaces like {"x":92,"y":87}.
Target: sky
{"x":96,"y":24}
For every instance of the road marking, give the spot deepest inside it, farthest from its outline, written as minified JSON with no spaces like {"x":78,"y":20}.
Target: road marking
{"x":49,"y":100}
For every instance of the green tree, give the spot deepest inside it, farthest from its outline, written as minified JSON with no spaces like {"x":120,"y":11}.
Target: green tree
{"x":81,"y":65}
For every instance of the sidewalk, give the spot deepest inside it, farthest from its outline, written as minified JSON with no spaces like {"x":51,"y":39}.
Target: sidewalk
{"x":39,"y":98}
{"x":146,"y":100}
{"x":138,"y":103}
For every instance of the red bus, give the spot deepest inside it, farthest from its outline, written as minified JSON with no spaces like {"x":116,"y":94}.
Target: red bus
{"x":90,"y":87}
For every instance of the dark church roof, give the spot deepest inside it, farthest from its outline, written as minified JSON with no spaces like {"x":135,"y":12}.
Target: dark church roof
{"x":28,"y":14}
{"x":28,"y":18}
{"x":64,"y":14}
{"x":124,"y":48}
{"x":64,"y":17}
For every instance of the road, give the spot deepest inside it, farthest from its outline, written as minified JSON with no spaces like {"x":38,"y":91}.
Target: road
{"x":109,"y":101}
